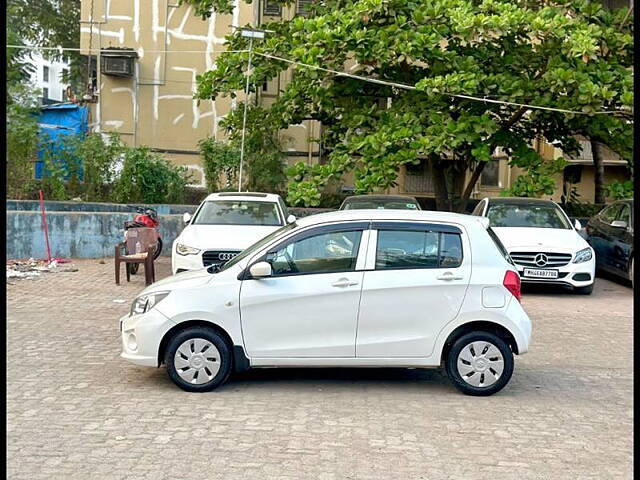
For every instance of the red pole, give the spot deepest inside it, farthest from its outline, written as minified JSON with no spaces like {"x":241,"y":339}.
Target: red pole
{"x":44,"y":225}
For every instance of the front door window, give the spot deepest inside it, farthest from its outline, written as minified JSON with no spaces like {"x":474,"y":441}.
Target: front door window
{"x":323,"y":253}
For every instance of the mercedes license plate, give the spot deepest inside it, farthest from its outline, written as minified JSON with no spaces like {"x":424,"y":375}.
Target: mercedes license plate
{"x":535,"y":273}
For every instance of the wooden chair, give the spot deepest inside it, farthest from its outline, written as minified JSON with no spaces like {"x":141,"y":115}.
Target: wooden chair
{"x":148,"y":239}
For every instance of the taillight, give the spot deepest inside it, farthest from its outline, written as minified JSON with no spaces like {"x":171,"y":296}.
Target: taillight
{"x":512,"y":283}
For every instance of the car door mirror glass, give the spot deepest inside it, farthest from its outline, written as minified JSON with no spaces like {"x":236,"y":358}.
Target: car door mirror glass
{"x":186,"y":218}
{"x":260,"y":270}
{"x":619,"y":224}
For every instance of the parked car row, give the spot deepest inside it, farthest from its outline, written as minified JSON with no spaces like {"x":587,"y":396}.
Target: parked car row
{"x":378,"y":283}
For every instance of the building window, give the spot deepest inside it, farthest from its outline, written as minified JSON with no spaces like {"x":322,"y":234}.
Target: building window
{"x":491,"y":174}
{"x":45,"y":74}
{"x":45,"y":93}
{"x":272,"y":9}
{"x":303,"y":7}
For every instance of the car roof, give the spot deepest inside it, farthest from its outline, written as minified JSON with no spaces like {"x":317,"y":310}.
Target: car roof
{"x":401,"y":215}
{"x":380,"y":197}
{"x":520,"y":201}
{"x":246,"y":196}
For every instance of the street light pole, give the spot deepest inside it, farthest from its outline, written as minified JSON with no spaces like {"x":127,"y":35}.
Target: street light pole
{"x":251,"y":34}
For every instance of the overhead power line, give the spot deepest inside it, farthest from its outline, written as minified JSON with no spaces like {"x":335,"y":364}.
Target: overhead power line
{"x":344,"y":74}
{"x":412,"y":87}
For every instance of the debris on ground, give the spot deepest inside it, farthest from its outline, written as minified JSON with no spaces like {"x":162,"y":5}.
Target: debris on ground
{"x":33,"y":268}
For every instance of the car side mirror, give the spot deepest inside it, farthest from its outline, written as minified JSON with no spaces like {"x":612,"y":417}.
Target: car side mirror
{"x":260,"y":270}
{"x":186,"y":218}
{"x":291,"y":219}
{"x":577,"y":224}
{"x":619,"y":224}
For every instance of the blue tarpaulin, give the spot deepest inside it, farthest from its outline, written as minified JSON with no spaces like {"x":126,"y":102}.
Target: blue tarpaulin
{"x":56,"y":121}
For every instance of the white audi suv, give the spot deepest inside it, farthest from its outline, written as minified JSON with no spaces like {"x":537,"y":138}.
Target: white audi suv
{"x":543,"y":243}
{"x":354,"y":288}
{"x":225,"y":224}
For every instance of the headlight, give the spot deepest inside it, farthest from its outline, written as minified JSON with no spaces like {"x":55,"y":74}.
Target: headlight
{"x":184,"y":250}
{"x":583,"y":255}
{"x":144,"y":303}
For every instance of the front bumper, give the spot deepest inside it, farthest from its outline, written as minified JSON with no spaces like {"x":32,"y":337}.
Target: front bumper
{"x":572,"y":275}
{"x":141,"y":336}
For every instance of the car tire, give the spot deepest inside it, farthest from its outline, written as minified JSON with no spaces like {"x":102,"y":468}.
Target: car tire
{"x":198,"y":359}
{"x":468,"y":369}
{"x":588,"y":290}
{"x":631,"y":272}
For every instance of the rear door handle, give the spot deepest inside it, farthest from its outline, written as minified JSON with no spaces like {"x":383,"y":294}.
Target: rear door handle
{"x":344,"y":282}
{"x":449,"y":276}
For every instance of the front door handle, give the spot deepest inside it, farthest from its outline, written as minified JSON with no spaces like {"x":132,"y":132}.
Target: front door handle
{"x":344,"y":282}
{"x":449,"y":276}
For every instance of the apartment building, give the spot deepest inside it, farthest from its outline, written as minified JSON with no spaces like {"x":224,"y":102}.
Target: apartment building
{"x":47,"y":76}
{"x":147,"y":53}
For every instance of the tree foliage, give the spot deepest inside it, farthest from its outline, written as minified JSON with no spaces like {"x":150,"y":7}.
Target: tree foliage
{"x":46,"y":23}
{"x":263,"y":165}
{"x":572,"y":55}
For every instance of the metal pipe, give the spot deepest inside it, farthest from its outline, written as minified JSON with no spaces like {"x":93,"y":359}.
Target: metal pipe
{"x":244,"y":119}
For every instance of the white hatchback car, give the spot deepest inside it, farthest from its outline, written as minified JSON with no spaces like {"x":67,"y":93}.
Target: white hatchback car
{"x":355,"y":288}
{"x":225,"y":224}
{"x":542,"y":242}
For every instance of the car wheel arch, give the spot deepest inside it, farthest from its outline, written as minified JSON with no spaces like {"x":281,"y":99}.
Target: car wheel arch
{"x":188,"y":324}
{"x":475,"y":326}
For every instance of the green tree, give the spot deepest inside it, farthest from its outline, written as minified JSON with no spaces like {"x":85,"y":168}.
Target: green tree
{"x":263,"y":166}
{"x":48,"y":23}
{"x":571,"y":55}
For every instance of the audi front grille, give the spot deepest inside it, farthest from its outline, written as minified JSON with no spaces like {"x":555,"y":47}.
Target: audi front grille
{"x":541,"y":259}
{"x":218,"y":257}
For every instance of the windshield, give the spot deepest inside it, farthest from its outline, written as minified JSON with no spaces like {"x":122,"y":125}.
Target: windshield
{"x":237,"y":212}
{"x":258,"y":245}
{"x":381,"y":205}
{"x":531,"y":216}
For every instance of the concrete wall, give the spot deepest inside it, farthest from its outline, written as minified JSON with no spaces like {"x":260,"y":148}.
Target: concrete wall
{"x":52,"y":206}
{"x":86,"y":230}
{"x":76,"y":234}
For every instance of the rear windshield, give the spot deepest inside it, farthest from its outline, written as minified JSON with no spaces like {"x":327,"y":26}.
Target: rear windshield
{"x":503,"y":251}
{"x":238,"y":212}
{"x":380,"y":205}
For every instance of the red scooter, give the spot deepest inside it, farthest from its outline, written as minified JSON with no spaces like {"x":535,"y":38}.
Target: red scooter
{"x":146,"y":217}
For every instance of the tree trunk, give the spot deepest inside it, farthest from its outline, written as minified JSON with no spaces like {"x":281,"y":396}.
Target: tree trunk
{"x":440,"y":186}
{"x":475,"y":176}
{"x":598,"y":176}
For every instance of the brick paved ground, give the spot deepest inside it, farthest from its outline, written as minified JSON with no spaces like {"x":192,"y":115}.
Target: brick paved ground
{"x":76,"y":410}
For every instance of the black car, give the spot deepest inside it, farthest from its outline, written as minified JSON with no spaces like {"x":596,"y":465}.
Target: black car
{"x":386,"y":202}
{"x":610,"y":233}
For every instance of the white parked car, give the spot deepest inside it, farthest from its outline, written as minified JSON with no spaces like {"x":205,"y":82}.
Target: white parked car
{"x":543,"y":243}
{"x":354,"y":288}
{"x":225,"y":224}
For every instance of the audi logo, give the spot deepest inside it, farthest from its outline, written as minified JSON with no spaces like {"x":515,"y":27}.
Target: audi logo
{"x":541,"y":260}
{"x":226,"y":256}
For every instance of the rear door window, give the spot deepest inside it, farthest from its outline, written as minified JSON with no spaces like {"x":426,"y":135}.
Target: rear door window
{"x":400,"y":249}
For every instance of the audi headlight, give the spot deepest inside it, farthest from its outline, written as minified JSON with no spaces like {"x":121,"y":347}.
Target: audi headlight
{"x":144,"y":303}
{"x":185,"y":250}
{"x":583,"y":255}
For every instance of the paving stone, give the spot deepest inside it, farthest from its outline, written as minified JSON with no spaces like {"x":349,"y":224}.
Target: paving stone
{"x":75,"y":410}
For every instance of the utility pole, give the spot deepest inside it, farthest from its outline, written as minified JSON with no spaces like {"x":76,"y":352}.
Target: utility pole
{"x":250,"y":34}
